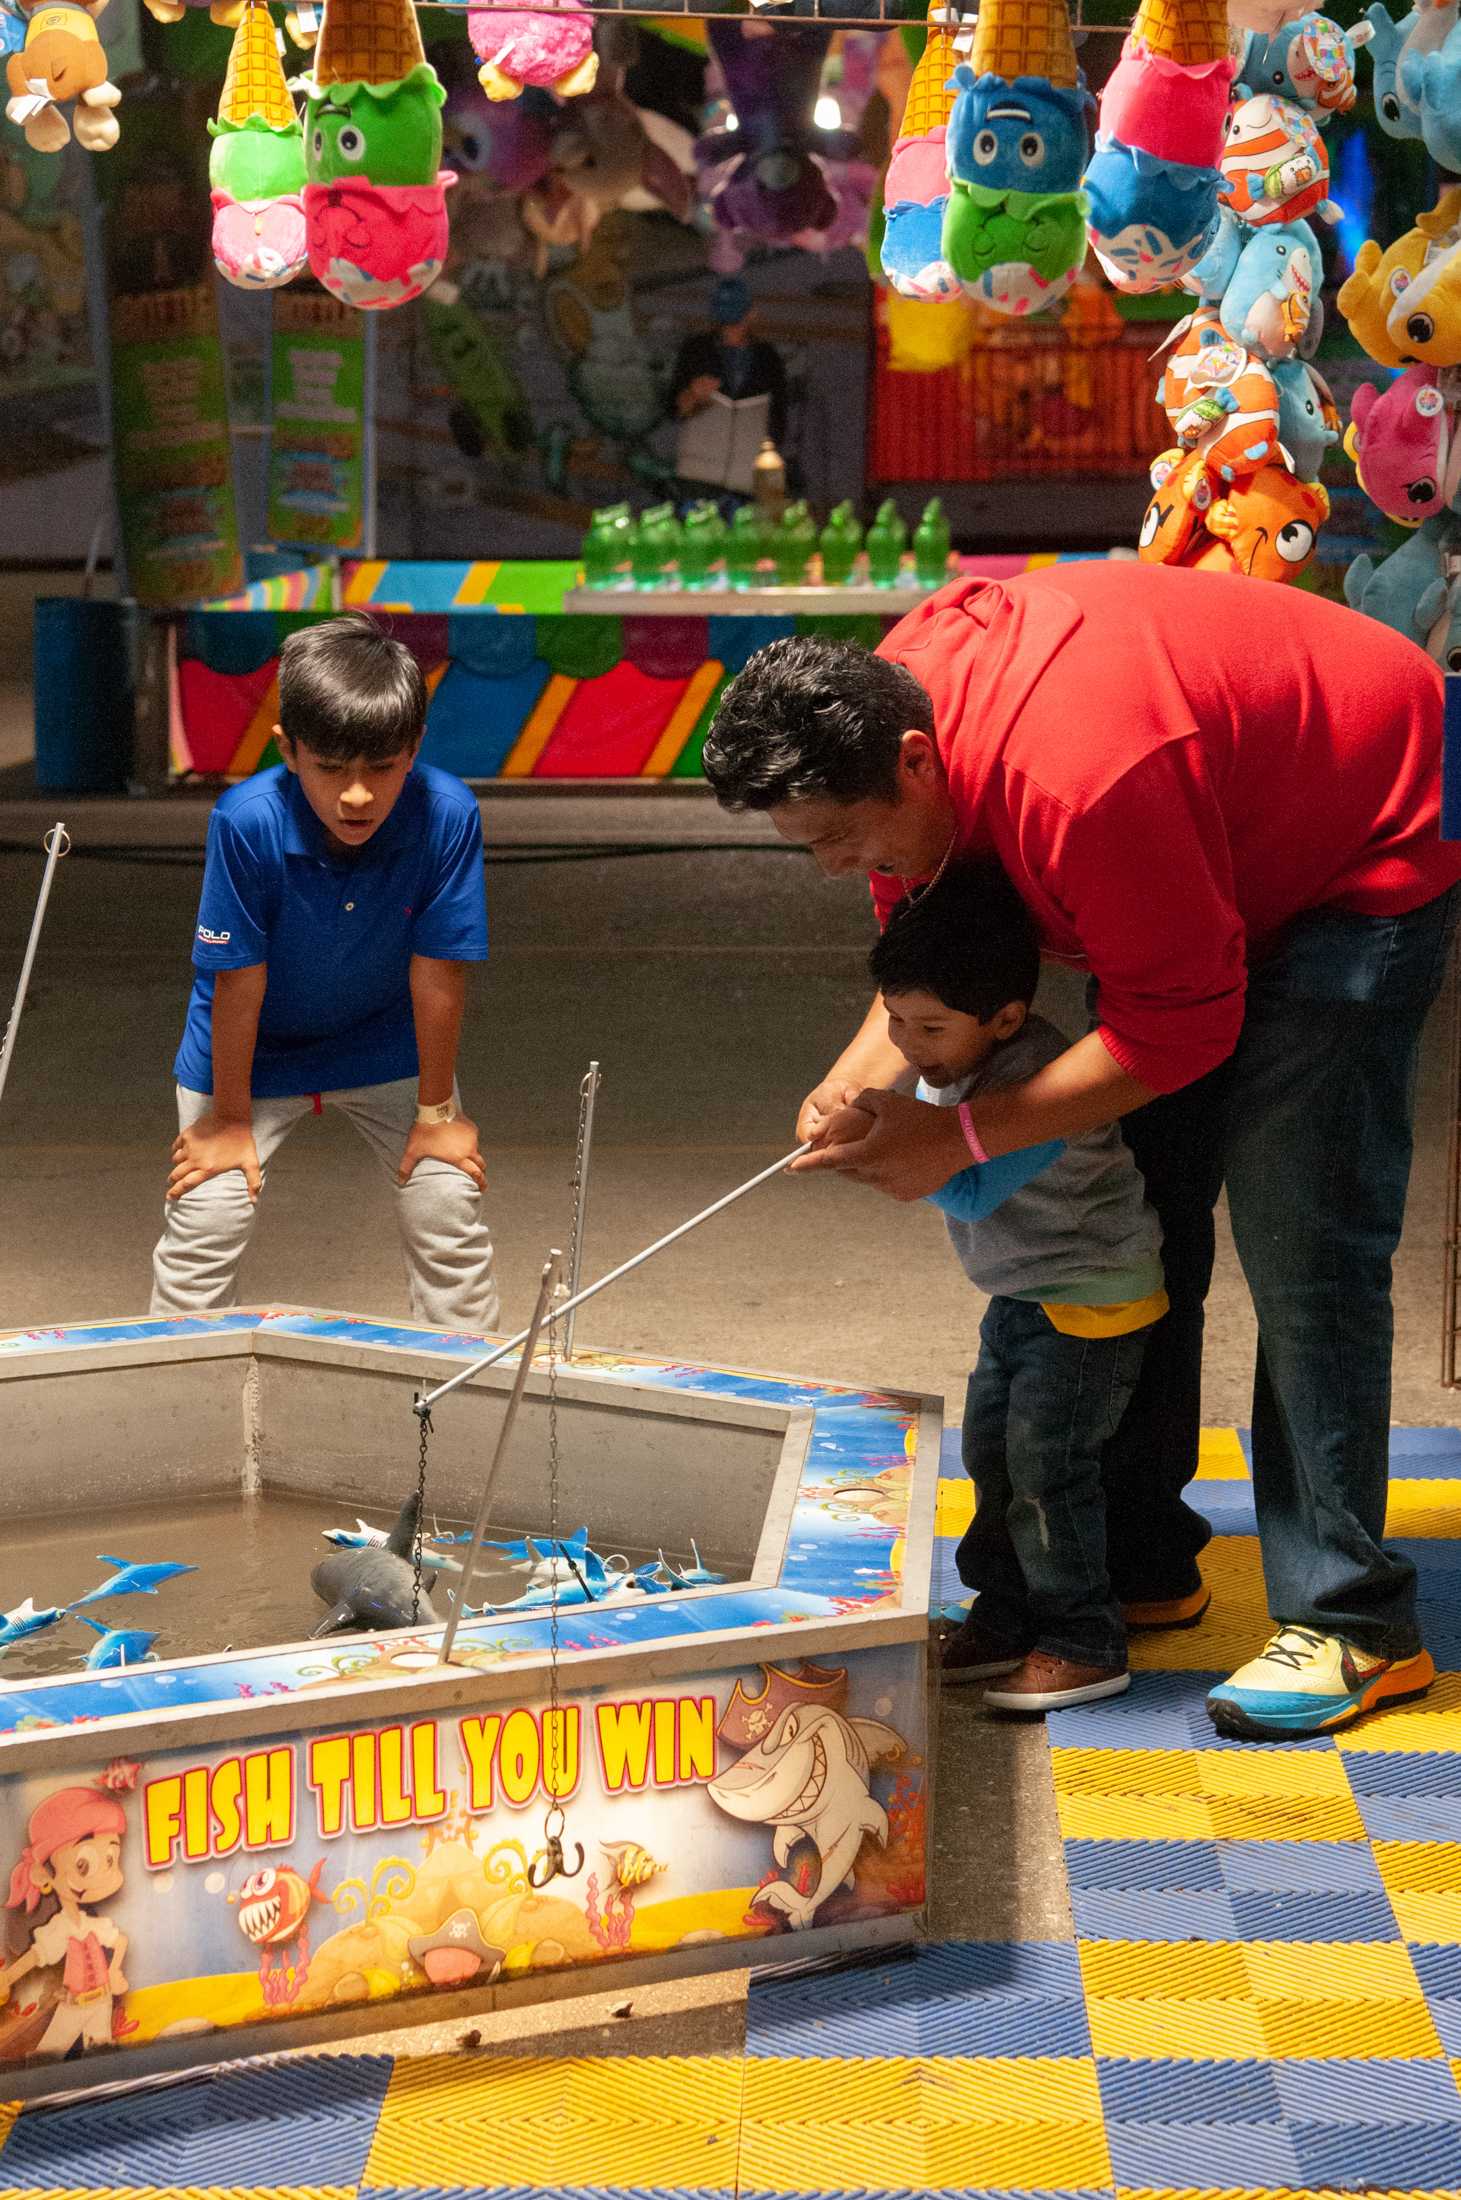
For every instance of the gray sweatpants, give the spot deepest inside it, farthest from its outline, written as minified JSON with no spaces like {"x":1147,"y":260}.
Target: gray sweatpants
{"x":439,"y":1214}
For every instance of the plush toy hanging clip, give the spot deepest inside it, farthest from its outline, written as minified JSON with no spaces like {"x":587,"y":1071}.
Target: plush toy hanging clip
{"x":375,"y":203}
{"x":61,"y":60}
{"x":1153,"y":180}
{"x":256,"y":166}
{"x":916,"y":188}
{"x":1015,"y":226}
{"x":553,"y":48}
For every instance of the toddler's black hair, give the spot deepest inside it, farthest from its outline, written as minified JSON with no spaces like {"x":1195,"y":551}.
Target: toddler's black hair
{"x":349,"y":691}
{"x":968,"y":940}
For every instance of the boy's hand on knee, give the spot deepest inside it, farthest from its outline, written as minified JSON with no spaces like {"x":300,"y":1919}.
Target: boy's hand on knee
{"x":455,"y":1143}
{"x":209,"y":1148}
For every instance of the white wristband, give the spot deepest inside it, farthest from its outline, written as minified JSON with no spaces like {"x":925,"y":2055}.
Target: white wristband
{"x":444,"y":1111}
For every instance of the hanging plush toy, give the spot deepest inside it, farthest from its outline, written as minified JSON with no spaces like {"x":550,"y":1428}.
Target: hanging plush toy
{"x":1308,"y":61}
{"x":916,"y":187}
{"x":1416,"y":590}
{"x":1401,"y":304}
{"x":1015,"y":226}
{"x":552,"y":47}
{"x":62,"y":60}
{"x":1394,"y":113}
{"x":227,"y":14}
{"x":1405,"y":448}
{"x":1266,"y":527}
{"x":1222,"y":403}
{"x":1270,"y":298}
{"x":1275,"y":168}
{"x":764,"y":178}
{"x":1308,"y":418}
{"x":1153,"y":179}
{"x":1429,"y":79}
{"x":375,"y":203}
{"x":256,"y":166}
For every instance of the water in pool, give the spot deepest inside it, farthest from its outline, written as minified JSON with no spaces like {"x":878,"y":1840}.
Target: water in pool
{"x":252,"y":1556}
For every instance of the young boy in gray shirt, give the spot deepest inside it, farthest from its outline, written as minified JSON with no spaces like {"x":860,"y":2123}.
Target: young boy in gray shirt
{"x":1061,"y":1238}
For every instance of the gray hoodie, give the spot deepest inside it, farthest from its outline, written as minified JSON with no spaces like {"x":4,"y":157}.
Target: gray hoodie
{"x":1078,"y":1234}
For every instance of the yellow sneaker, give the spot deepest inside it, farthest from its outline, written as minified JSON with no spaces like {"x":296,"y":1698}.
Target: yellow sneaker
{"x":1303,"y":1683}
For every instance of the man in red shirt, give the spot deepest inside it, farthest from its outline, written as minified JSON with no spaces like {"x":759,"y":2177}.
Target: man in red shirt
{"x":1222,"y":800}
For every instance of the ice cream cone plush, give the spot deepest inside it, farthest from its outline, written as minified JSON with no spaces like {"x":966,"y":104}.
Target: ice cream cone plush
{"x":1154,"y":177}
{"x":256,"y":166}
{"x":1014,"y":228}
{"x":916,"y":188}
{"x":551,"y":46}
{"x":375,"y":202}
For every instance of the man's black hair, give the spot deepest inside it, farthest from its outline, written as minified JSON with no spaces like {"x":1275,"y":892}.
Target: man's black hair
{"x":812,"y":719}
{"x":347,"y":690}
{"x":968,"y":941}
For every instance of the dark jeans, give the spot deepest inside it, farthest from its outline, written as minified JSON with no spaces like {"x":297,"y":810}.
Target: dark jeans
{"x":1309,"y":1125}
{"x":1040,"y":1407}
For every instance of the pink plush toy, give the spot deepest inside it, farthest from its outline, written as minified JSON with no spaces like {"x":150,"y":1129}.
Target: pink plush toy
{"x":553,"y":49}
{"x":1404,"y":446}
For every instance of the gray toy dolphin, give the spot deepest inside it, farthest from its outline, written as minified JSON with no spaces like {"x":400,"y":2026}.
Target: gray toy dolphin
{"x":373,"y":1588}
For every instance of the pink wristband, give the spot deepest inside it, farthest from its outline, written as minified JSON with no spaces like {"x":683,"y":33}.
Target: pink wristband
{"x":972,"y":1138}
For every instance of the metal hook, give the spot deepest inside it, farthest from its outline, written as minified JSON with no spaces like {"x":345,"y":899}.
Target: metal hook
{"x":548,"y":1864}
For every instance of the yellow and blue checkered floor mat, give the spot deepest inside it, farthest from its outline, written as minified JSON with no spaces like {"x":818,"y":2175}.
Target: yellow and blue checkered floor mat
{"x":1262,"y":2000}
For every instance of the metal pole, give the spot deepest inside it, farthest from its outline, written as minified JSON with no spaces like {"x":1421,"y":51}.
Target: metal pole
{"x":425,"y":1403}
{"x":56,"y":843}
{"x":1452,"y":1218}
{"x":588,"y":1093}
{"x":504,"y":1436}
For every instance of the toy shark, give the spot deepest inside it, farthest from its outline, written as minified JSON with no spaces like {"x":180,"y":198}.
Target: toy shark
{"x":690,"y":1577}
{"x":808,"y":1780}
{"x":374,"y":1587}
{"x":130,"y":1580}
{"x":118,"y":1645}
{"x":26,"y":1619}
{"x":362,"y":1537}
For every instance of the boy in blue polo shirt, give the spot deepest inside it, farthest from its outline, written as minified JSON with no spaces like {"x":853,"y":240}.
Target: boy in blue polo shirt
{"x":343,"y":898}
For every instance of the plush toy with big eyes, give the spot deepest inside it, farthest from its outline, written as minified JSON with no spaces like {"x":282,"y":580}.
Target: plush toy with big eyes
{"x":1274,"y":165}
{"x":1391,"y":290}
{"x":1266,"y":527}
{"x":1222,"y":403}
{"x":1269,"y":299}
{"x":1308,"y":418}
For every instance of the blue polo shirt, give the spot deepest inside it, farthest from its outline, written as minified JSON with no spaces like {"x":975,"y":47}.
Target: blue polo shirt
{"x":336,"y":931}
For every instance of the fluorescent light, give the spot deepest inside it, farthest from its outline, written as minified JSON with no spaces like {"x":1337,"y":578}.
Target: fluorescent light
{"x":828,"y":115}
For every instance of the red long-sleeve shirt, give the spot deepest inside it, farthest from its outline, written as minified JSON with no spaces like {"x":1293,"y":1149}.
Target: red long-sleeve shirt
{"x":1171,"y":766}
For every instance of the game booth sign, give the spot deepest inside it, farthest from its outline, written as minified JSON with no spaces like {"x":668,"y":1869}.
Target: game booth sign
{"x":321,"y":1838}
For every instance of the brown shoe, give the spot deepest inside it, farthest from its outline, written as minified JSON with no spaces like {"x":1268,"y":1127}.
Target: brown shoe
{"x":1159,"y":1612}
{"x":972,"y":1653}
{"x":1046,"y":1683}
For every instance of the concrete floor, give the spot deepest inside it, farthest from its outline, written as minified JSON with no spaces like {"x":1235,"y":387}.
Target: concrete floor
{"x":714,"y":986}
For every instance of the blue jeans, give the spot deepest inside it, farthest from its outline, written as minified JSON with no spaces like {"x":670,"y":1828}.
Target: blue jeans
{"x":1040,"y":1407}
{"x":1309,"y":1124}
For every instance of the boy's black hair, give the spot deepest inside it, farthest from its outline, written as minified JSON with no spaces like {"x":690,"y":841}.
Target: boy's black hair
{"x":347,"y":690}
{"x":968,"y":941}
{"x":810,"y":718}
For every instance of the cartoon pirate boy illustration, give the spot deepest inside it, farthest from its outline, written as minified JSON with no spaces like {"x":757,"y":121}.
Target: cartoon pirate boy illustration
{"x":71,"y":1864}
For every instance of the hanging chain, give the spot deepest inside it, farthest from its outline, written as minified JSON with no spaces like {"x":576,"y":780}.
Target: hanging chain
{"x":549,"y":1863}
{"x":573,"y":1244}
{"x":425,"y":1419}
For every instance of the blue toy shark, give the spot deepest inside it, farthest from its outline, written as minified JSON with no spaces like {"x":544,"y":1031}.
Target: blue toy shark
{"x":362,"y":1537}
{"x":131,"y":1580}
{"x":1307,"y":419}
{"x":1394,"y":111}
{"x":26,"y":1619}
{"x":1431,"y":83}
{"x":690,"y":1577}
{"x":118,"y":1645}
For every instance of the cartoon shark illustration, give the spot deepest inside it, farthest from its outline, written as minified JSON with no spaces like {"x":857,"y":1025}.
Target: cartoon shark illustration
{"x":27,"y":1618}
{"x":131,"y":1580}
{"x":808,"y":1778}
{"x":118,"y":1645}
{"x":375,"y":1587}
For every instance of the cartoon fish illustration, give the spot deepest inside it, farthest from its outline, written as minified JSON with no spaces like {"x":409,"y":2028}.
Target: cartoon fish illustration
{"x":632,"y":1865}
{"x":808,"y":1780}
{"x":131,"y":1580}
{"x":118,"y":1645}
{"x":273,"y":1913}
{"x":27,"y":1618}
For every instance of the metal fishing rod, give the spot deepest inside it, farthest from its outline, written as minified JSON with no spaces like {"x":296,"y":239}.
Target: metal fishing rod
{"x":423,"y":1405}
{"x":56,"y":843}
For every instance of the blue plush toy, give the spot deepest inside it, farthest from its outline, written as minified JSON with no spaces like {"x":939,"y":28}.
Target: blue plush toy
{"x":1219,"y":263}
{"x":1148,"y":217}
{"x":1271,"y":295}
{"x":1029,"y":135}
{"x":1308,"y":421}
{"x":1393,"y":111}
{"x":1431,"y":82}
{"x":912,"y":250}
{"x":1309,"y":62}
{"x":1393,"y":592}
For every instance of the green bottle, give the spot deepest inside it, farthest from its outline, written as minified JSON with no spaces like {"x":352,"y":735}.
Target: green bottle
{"x":840,"y":543}
{"x":743,"y":555}
{"x":931,"y":546}
{"x":605,"y":546}
{"x":702,"y":545}
{"x":887,"y":539}
{"x":793,"y":544}
{"x":656,"y":547}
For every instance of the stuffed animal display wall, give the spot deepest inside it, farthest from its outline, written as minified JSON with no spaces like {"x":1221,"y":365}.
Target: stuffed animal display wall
{"x":62,"y":63}
{"x":256,"y":166}
{"x":375,"y":202}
